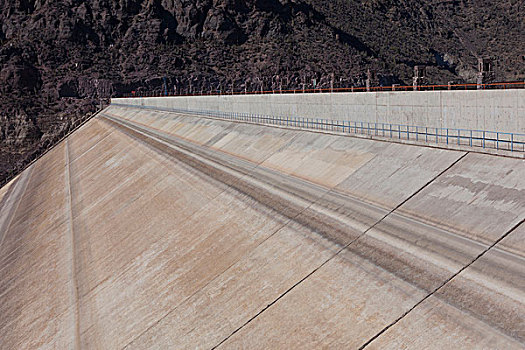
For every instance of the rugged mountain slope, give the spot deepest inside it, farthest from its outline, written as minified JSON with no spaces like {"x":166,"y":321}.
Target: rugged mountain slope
{"x":58,"y":58}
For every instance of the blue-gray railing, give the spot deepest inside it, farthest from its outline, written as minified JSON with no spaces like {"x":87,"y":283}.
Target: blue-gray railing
{"x":462,"y":137}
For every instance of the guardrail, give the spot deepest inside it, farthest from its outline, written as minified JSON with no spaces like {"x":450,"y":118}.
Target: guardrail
{"x":513,"y":142}
{"x":493,"y":86}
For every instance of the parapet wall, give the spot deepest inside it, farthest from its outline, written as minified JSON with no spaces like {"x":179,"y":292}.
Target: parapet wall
{"x":491,"y":110}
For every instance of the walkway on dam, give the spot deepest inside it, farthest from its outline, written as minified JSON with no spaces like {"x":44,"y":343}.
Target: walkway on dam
{"x":149,"y":229}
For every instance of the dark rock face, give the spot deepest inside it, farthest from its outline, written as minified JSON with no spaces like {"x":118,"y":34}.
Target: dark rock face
{"x":19,"y":76}
{"x":58,"y":58}
{"x":84,"y":87}
{"x":18,"y":129}
{"x":68,"y":88}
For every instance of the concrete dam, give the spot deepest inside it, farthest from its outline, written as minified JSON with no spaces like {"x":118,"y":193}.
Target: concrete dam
{"x":190,"y":222}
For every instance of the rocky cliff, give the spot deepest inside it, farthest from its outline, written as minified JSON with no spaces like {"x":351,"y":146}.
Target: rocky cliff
{"x":59,"y":58}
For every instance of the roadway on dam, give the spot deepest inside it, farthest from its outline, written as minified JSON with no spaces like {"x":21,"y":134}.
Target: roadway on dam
{"x":148,"y":229}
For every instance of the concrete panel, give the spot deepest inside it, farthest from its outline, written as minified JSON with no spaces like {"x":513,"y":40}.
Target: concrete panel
{"x":191,"y":256}
{"x":306,"y":154}
{"x":242,"y":291}
{"x":491,"y":110}
{"x":480,"y":198}
{"x":420,"y":116}
{"x":395,"y":172}
{"x":437,"y":325}
{"x":387,"y":114}
{"x":342,"y":305}
{"x":256,"y":147}
{"x":481,"y":308}
{"x":150,"y":229}
{"x":35,"y":284}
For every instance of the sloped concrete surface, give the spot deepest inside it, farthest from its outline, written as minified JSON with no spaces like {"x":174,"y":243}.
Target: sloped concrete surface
{"x":158,"y":230}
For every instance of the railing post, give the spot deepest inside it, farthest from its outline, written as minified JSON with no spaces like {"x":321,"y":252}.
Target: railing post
{"x":470,"y":138}
{"x":447,"y":136}
{"x":512,"y":142}
{"x":497,"y":140}
{"x":483,"y":138}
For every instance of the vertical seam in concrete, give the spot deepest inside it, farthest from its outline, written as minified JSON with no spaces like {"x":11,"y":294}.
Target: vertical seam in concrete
{"x":57,"y":143}
{"x":456,"y":161}
{"x":341,"y":249}
{"x":71,"y":238}
{"x":376,"y":94}
{"x":441,"y":108}
{"x":442,"y":285}
{"x":19,"y":199}
{"x":277,"y":230}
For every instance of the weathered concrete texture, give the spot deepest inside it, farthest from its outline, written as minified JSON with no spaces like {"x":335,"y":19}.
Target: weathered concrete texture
{"x":492,"y":110}
{"x":492,"y":187}
{"x":487,"y":296}
{"x":36,"y":305}
{"x":157,"y":230}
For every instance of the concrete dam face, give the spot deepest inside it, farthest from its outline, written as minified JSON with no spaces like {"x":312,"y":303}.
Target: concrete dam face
{"x":149,"y":229}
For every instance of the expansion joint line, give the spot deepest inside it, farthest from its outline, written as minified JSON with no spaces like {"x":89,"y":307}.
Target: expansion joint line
{"x":342,"y":249}
{"x":278,"y":229}
{"x":442,"y":284}
{"x":71,"y":238}
{"x":135,"y":129}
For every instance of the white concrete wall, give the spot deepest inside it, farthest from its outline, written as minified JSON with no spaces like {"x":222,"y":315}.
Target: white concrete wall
{"x":491,"y":110}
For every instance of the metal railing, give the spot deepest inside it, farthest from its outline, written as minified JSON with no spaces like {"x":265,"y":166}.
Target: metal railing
{"x":470,"y":86}
{"x":513,"y":142}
